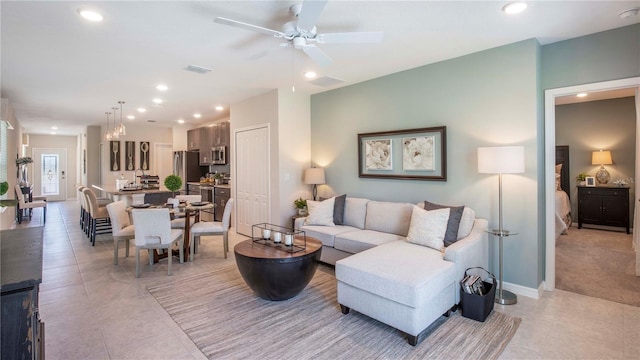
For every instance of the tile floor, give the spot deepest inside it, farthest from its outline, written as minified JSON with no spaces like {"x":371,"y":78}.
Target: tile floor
{"x":96,"y":310}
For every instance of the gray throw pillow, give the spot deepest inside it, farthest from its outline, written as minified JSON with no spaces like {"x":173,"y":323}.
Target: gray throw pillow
{"x":453,"y":225}
{"x":338,"y":209}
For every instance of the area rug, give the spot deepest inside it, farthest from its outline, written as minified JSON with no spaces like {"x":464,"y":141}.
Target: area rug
{"x":225,"y":319}
{"x":599,"y":264}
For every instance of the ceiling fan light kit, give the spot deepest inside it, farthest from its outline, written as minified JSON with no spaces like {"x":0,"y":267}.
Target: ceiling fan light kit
{"x":300,"y":33}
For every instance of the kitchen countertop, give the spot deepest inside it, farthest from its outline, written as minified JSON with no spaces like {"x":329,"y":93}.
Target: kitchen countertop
{"x":223,"y":186}
{"x":111,"y":189}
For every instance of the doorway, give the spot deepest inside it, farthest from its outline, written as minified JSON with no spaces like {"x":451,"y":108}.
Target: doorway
{"x":50,"y":173}
{"x":550,"y":129}
{"x":252,"y":177}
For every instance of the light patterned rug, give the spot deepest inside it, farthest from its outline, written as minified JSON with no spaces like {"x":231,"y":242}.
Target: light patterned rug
{"x":225,"y":319}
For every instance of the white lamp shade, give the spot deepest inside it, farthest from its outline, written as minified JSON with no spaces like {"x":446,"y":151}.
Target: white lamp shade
{"x":314,"y":176}
{"x":501,"y":160}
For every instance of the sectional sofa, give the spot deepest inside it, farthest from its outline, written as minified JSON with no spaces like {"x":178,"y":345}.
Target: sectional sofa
{"x":397,"y":262}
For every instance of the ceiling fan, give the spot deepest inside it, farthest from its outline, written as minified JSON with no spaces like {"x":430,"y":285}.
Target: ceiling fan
{"x":302,"y":33}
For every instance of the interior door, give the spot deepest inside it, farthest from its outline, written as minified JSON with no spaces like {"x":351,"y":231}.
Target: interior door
{"x":50,"y":173}
{"x":252,"y":178}
{"x":163,"y":166}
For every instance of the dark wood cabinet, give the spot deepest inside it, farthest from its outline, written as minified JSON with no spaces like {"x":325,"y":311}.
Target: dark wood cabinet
{"x":221,"y":197}
{"x":206,"y":136}
{"x":22,"y":330}
{"x":193,"y":139}
{"x":604,"y":206}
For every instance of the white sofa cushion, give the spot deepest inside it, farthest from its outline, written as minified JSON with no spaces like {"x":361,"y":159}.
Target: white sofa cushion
{"x":399,"y":271}
{"x":326,"y":234}
{"x":320,"y":212}
{"x":357,"y":241}
{"x":428,"y":228}
{"x":355,"y":211}
{"x":389,"y":217}
{"x":466,"y":222}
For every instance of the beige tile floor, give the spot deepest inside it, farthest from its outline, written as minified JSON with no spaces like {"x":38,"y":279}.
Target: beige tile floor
{"x":95,"y":310}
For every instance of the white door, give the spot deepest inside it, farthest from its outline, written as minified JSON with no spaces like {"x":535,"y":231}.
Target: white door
{"x":50,"y":173}
{"x":163,"y":161}
{"x":251,"y":178}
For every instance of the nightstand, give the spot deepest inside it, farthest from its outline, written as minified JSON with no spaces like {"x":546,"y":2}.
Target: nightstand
{"x":604,"y":205}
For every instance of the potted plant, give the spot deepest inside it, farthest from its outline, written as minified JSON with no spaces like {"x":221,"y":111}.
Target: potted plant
{"x":173,"y":183}
{"x":581,"y":178}
{"x":301,"y":205}
{"x":217,"y":177}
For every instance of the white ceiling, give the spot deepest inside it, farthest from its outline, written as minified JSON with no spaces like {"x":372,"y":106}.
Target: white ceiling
{"x":59,"y":70}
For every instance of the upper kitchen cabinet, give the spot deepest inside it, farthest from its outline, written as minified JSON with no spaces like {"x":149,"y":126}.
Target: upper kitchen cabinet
{"x":193,"y":139}
{"x":206,"y":138}
{"x":221,"y":134}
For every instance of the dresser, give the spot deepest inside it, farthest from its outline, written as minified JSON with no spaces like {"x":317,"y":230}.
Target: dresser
{"x":22,"y":331}
{"x":604,"y":205}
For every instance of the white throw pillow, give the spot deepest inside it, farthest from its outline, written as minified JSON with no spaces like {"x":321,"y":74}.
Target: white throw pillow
{"x":428,"y":227}
{"x":320,"y":212}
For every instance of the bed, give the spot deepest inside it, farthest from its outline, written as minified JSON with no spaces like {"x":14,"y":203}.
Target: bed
{"x":563,"y":190}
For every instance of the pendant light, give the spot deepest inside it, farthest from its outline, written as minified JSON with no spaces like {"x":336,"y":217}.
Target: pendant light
{"x":107,"y":134}
{"x":121,"y":129}
{"x":115,"y":133}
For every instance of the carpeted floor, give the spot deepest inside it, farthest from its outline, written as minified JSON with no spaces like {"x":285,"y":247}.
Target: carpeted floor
{"x":225,"y":319}
{"x":598,"y":263}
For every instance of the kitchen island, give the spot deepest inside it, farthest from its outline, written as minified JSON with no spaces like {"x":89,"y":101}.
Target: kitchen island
{"x":156,"y":196}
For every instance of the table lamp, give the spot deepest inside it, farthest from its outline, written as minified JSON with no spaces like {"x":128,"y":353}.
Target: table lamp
{"x":315,"y":177}
{"x":501,"y":160}
{"x":602,"y":157}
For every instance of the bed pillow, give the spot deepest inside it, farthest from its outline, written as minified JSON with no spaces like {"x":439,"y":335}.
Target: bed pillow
{"x":558,"y":182}
{"x":558,"y":168}
{"x":320,"y":212}
{"x":428,"y":227}
{"x":453,"y":225}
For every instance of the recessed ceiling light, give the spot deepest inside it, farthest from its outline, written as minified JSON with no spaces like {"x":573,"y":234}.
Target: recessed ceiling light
{"x":581,"y":95}
{"x":54,"y":128}
{"x":90,"y":15}
{"x":310,"y":74}
{"x":157,"y":101}
{"x":197,"y":116}
{"x":629,"y":13}
{"x":53,"y":133}
{"x":142,"y":110}
{"x":130,"y":117}
{"x":514,"y":7}
{"x":162,"y":87}
{"x":219,"y":107}
{"x":180,"y":121}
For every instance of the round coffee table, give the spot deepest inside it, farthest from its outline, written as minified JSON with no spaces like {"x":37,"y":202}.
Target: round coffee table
{"x":274,"y":274}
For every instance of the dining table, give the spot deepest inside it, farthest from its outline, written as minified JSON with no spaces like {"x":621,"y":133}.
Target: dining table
{"x":185,"y":210}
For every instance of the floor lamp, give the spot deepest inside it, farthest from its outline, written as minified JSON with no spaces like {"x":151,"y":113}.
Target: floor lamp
{"x":501,"y":160}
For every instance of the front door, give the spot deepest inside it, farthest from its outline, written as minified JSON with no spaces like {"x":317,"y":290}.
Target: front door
{"x":50,"y":173}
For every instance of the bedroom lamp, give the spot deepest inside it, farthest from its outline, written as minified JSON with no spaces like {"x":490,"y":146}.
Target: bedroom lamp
{"x":501,"y":160}
{"x":602,"y":157}
{"x":315,"y":177}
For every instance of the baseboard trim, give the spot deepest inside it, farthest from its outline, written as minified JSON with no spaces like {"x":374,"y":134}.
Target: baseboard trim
{"x":525,"y":291}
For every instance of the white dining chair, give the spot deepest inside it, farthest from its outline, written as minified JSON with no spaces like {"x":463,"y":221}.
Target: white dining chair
{"x":153,"y":231}
{"x":23,"y":204}
{"x":212,"y":228}
{"x":178,"y":221}
{"x":121,"y":227}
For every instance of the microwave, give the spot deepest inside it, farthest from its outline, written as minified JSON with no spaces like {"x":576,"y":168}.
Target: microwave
{"x":219,"y":155}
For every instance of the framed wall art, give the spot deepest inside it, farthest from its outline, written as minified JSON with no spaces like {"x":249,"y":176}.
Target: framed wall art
{"x":114,"y":156}
{"x":130,"y":155}
{"x":412,"y":154}
{"x":144,"y":155}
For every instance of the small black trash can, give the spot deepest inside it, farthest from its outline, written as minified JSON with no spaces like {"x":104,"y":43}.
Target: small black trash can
{"x":475,"y":306}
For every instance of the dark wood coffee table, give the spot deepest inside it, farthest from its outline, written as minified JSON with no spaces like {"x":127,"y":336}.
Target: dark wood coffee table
{"x":275,"y":274}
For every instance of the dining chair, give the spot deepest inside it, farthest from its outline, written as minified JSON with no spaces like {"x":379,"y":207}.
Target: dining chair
{"x":153,"y":231}
{"x":212,"y":228}
{"x":178,"y":222}
{"x":99,"y":221}
{"x":23,"y":204}
{"x":121,"y":227}
{"x":82,"y":207}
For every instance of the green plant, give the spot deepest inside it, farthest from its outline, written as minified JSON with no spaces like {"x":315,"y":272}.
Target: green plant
{"x":582,"y":176}
{"x":217,"y":176}
{"x":173,"y":183}
{"x":4,"y":187}
{"x":300,"y":203}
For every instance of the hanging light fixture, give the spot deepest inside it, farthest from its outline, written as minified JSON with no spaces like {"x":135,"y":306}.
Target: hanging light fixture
{"x":107,"y":134}
{"x":121,"y":129}
{"x":115,"y":134}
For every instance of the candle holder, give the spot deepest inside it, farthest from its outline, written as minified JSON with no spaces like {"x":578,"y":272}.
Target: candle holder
{"x":279,"y":237}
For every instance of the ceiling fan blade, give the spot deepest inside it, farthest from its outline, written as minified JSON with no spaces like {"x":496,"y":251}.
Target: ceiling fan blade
{"x":317,"y":55}
{"x":310,"y":12}
{"x":350,"y":37}
{"x":239,"y":24}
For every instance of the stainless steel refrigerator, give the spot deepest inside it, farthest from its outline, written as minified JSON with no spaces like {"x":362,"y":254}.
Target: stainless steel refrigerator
{"x":186,"y":164}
